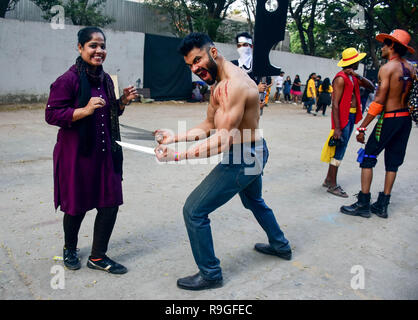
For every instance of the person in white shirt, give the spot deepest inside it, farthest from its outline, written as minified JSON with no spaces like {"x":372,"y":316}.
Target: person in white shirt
{"x":279,"y":87}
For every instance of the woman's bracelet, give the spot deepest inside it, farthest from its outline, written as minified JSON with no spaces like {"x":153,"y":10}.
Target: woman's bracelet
{"x":124,"y":104}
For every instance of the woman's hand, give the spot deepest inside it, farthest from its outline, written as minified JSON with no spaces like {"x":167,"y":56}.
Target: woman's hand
{"x":94,"y":103}
{"x":129,"y":94}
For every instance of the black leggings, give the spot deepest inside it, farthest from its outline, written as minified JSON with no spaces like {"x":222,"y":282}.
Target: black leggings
{"x":103,"y":227}
{"x":322,"y":106}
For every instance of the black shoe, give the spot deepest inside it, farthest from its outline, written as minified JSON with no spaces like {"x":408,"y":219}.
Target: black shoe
{"x":267,"y":249}
{"x":380,"y":207}
{"x":71,"y":260}
{"x":197,"y":282}
{"x":106,"y":264}
{"x":361,"y":208}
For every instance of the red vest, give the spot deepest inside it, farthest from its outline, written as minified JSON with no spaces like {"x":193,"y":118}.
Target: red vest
{"x":345,"y":103}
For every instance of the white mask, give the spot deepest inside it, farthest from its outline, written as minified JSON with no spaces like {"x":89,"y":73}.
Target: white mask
{"x":245,"y":58}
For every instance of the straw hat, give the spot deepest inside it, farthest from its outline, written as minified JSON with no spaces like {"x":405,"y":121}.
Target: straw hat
{"x":350,"y":56}
{"x":398,"y":35}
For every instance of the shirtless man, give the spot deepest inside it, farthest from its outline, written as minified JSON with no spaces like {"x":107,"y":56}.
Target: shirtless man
{"x":395,"y":82}
{"x":231,"y":126}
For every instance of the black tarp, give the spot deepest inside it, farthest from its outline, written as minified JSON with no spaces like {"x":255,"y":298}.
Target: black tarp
{"x":165,"y":72}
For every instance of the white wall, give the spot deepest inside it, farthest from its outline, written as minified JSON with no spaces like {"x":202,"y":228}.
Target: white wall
{"x":33,"y":55}
{"x":292,"y":63}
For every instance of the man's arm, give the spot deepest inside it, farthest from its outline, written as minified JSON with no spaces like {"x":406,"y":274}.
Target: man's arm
{"x":338,"y":88}
{"x":362,"y":81}
{"x":366,"y":83}
{"x":380,"y":98}
{"x":232,"y":98}
{"x":199,"y":132}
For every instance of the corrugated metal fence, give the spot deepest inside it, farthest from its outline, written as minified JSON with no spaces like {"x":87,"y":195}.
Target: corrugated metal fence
{"x":129,"y":16}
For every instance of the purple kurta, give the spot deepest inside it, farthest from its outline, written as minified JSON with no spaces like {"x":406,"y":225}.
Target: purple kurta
{"x":81,"y":183}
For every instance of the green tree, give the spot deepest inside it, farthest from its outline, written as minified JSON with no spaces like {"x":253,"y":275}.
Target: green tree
{"x":195,"y":15}
{"x":80,"y":12}
{"x":7,"y":5}
{"x":305,"y":14}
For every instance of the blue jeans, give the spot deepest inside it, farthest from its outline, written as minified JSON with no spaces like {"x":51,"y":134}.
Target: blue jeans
{"x":222,"y":183}
{"x":309,"y":103}
{"x":345,"y":135}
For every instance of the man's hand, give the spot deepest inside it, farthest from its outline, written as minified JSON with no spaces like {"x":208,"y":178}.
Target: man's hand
{"x":337,"y":133}
{"x":349,"y":72}
{"x":262,"y":87}
{"x":360,"y":137}
{"x":163,"y":137}
{"x":164,"y":154}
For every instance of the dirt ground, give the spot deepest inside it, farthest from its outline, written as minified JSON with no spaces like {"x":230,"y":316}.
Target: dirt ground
{"x":150,"y":238}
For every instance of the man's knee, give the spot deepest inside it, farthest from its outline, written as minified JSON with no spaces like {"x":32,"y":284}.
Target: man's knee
{"x":188,"y":209}
{"x":392,"y":167}
{"x":335,"y":162}
{"x":193,"y":213}
{"x":368,"y":162}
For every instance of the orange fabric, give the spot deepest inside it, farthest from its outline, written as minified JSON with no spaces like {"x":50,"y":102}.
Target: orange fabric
{"x":375,"y":108}
{"x":396,"y":114}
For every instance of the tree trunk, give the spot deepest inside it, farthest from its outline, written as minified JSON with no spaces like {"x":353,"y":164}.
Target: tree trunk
{"x":297,"y":16}
{"x":310,"y":31}
{"x":3,"y":8}
{"x":370,"y":36}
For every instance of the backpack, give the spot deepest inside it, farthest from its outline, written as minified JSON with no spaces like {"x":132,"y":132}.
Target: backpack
{"x":413,"y":101}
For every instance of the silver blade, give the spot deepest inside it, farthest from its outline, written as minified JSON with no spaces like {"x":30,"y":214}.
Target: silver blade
{"x":135,"y":147}
{"x":138,"y":136}
{"x":143,"y":131}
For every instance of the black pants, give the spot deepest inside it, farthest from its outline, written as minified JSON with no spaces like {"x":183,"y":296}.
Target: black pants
{"x":103,"y":227}
{"x":322,"y":106}
{"x":393,"y":139}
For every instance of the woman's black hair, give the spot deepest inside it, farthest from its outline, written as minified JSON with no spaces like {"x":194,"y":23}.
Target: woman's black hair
{"x":325,"y":85}
{"x":85,"y":34}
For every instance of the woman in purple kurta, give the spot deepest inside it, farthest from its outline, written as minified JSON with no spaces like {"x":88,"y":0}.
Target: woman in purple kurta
{"x":87,"y":159}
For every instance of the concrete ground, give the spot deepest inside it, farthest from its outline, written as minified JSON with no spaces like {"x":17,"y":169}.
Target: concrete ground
{"x":150,"y":237}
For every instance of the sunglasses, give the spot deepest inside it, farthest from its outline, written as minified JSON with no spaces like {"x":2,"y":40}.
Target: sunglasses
{"x":239,"y":45}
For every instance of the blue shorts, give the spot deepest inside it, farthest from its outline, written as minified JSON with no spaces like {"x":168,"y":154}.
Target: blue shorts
{"x":346,"y":133}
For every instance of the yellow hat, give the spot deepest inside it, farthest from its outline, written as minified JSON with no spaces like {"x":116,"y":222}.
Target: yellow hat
{"x":350,"y":56}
